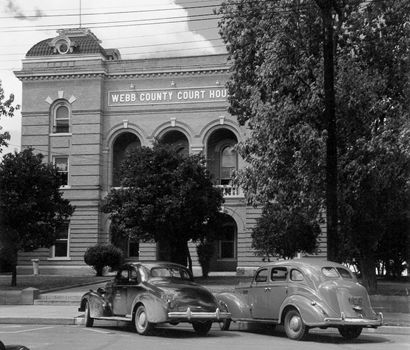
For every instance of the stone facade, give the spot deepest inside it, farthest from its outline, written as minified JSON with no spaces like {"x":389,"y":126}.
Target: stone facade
{"x":84,"y":107}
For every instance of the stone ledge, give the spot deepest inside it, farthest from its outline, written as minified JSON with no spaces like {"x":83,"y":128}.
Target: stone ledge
{"x":19,"y":297}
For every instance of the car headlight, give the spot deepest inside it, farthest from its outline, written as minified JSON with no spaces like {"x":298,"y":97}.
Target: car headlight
{"x":168,"y":299}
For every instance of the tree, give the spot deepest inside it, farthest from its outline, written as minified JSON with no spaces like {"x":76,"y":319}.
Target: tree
{"x":6,"y":109}
{"x":276,"y":88}
{"x":32,"y":208}
{"x":284,"y":233}
{"x":165,"y":197}
{"x":102,"y":255}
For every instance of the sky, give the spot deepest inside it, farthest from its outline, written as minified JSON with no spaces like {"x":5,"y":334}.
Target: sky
{"x":138,"y":28}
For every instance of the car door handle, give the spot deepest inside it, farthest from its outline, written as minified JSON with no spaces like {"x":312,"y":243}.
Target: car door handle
{"x":267,"y":289}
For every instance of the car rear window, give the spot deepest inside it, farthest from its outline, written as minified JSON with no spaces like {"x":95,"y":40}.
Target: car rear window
{"x":171,"y":272}
{"x":332,"y":272}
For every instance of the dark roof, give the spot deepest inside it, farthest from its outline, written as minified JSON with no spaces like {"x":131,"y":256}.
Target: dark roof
{"x":84,"y":44}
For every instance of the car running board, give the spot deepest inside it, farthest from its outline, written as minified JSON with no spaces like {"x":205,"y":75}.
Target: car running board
{"x":114,"y":318}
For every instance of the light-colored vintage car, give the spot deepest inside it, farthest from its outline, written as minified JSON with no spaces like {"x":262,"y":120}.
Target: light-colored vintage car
{"x":302,"y":294}
{"x":148,"y":294}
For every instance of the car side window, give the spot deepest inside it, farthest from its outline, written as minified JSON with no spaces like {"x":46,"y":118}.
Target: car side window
{"x":261,"y":276}
{"x":122,"y":276}
{"x":278,"y":274}
{"x":134,"y":276}
{"x":345,"y":273}
{"x":296,"y":276}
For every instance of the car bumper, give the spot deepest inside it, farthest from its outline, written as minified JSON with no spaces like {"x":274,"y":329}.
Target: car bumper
{"x":198,"y":315}
{"x":354,"y":321}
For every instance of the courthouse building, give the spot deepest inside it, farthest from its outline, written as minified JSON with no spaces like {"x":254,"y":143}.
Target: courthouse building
{"x":84,"y":107}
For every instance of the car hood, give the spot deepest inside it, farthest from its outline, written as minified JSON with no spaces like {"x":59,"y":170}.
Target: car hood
{"x":347,"y":297}
{"x":185,"y":294}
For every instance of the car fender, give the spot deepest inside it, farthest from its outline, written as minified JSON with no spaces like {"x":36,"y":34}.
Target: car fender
{"x":155,"y":307}
{"x":311,"y":311}
{"x":236,"y":304}
{"x":99,"y":307}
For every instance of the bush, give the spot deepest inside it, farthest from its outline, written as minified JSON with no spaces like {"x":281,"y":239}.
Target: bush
{"x":102,"y":255}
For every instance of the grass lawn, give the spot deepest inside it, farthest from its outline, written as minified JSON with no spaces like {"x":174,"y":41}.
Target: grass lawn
{"x":44,"y":282}
{"x":47,"y":281}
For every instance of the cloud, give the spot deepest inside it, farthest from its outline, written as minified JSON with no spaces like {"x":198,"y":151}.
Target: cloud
{"x":17,"y":12}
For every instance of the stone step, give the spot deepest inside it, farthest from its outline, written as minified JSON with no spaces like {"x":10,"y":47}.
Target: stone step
{"x":58,"y":299}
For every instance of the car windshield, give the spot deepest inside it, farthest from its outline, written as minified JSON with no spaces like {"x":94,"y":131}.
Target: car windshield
{"x":171,"y":272}
{"x":336,"y":272}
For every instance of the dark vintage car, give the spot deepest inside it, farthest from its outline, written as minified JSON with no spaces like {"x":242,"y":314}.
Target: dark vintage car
{"x":302,"y":294}
{"x":148,"y":294}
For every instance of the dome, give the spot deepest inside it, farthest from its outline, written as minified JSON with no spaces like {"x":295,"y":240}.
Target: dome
{"x":69,"y":41}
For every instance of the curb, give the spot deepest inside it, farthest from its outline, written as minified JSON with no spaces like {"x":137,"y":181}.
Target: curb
{"x":56,"y":289}
{"x":79,"y":320}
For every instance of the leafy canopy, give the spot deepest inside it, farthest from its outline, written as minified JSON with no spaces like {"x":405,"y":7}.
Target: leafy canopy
{"x":165,"y":196}
{"x":276,"y":90}
{"x":7,"y":109}
{"x":31,"y":203}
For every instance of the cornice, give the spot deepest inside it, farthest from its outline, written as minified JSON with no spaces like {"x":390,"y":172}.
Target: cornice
{"x":32,"y":75}
{"x":168,"y":73}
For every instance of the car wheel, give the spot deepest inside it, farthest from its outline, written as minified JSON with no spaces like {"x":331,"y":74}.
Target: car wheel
{"x":88,"y":320}
{"x":294,"y":326}
{"x":202,"y":328}
{"x":350,"y":332}
{"x":225,"y":324}
{"x":142,"y":325}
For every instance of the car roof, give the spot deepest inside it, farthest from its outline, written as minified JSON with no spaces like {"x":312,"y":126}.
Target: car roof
{"x":152,"y":264}
{"x":315,"y":263}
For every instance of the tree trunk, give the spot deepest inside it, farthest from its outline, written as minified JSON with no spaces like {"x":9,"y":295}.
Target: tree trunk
{"x":179,"y":252}
{"x":189,"y":257}
{"x":14,"y":268}
{"x":368,"y":270}
{"x":330,"y":122}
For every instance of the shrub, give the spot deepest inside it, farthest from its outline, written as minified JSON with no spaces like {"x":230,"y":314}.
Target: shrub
{"x":102,"y":255}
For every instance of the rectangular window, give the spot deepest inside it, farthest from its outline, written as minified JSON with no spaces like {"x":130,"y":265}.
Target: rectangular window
{"x":227,"y":244}
{"x":61,"y":246}
{"x":62,"y":165}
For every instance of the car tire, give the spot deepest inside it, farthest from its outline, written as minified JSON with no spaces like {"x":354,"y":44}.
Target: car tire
{"x":225,"y":324}
{"x":202,"y":328}
{"x":141,"y":323}
{"x":294,"y":326}
{"x":88,"y":320}
{"x":350,"y":332}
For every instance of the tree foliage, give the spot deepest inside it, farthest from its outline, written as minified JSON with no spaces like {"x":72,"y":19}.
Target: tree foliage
{"x":284,"y":233}
{"x":7,"y":109}
{"x":32,"y":208}
{"x":102,"y":255}
{"x":276,"y":90}
{"x":165,"y":197}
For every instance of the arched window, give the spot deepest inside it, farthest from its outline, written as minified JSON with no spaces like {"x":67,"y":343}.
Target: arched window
{"x":229,"y":163}
{"x":61,"y":118}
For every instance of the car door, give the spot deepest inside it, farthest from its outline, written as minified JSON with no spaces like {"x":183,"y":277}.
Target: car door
{"x":120,"y":287}
{"x":278,"y":290}
{"x":258,"y":294}
{"x":134,"y":287}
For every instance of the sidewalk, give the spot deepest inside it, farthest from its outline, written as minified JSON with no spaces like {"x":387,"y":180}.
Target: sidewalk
{"x":68,"y":314}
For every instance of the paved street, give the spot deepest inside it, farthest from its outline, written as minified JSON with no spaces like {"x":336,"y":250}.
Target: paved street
{"x":104,"y":336}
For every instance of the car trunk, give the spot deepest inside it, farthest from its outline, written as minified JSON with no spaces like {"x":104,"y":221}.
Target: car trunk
{"x":186,"y":295}
{"x":349,"y":298}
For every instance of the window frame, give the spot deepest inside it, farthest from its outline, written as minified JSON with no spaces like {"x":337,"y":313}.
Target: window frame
{"x":56,"y":106}
{"x":67,"y":240}
{"x":62,"y":171}
{"x":221,"y":158}
{"x":232,"y":242}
